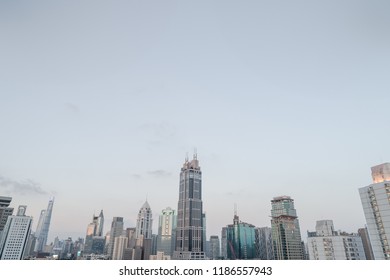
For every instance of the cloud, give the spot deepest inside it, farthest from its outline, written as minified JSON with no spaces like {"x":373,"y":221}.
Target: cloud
{"x":25,"y":187}
{"x":159,"y":173}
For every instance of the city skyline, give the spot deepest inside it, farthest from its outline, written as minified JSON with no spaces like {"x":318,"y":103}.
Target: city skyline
{"x":146,"y":205}
{"x":102,"y":101}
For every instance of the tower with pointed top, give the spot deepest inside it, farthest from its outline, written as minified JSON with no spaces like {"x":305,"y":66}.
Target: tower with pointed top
{"x":190,"y":226}
{"x":144,"y":222}
{"x":42,"y":231}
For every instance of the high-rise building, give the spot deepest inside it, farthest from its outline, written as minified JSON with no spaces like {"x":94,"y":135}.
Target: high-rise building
{"x":116,"y":231}
{"x":376,"y":206}
{"x":5,"y":211}
{"x":13,"y":241}
{"x":166,"y":231}
{"x":94,"y":229}
{"x":327,"y":244}
{"x":363,"y":233}
{"x":144,"y":222}
{"x":190,"y":228}
{"x":143,"y":230}
{"x":240,"y":240}
{"x":120,"y":244}
{"x":42,"y":231}
{"x":263,"y":243}
{"x":286,"y":235}
{"x":214,"y":250}
{"x":224,"y":243}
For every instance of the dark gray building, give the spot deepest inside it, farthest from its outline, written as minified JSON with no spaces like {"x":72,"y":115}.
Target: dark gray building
{"x":190,"y":228}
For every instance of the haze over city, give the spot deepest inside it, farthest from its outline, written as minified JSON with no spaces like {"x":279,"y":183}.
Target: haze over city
{"x":101,"y":103}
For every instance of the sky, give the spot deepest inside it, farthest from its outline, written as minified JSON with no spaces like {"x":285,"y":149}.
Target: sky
{"x":101,"y":101}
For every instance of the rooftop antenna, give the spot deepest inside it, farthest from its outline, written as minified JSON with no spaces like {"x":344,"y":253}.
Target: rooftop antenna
{"x":195,"y":153}
{"x":235,"y":209}
{"x":186,"y":159}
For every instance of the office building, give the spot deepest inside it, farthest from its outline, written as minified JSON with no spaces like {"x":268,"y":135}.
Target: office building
{"x":43,"y":227}
{"x":240,"y":238}
{"x":214,"y":248}
{"x":13,"y":242}
{"x":94,"y":229}
{"x":190,"y":232}
{"x":286,"y":235}
{"x":166,"y":231}
{"x":5,"y":211}
{"x":116,"y":231}
{"x":263,"y":244}
{"x":363,"y":233}
{"x":120,"y":244}
{"x":327,"y":244}
{"x":375,"y":199}
{"x":144,"y":222}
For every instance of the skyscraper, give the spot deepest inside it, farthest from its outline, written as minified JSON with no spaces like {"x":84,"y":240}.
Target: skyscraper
{"x":190,"y":228}
{"x":143,"y":232}
{"x":263,"y":243}
{"x":215,"y":252}
{"x":286,"y":233}
{"x":5,"y":211}
{"x":94,"y":229}
{"x":144,"y":222}
{"x":166,"y":231}
{"x":240,"y":240}
{"x":116,"y":231}
{"x":13,"y":241}
{"x":376,"y":206}
{"x":42,"y":231}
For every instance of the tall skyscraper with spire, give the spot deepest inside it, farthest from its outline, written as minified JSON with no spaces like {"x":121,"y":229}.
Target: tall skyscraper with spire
{"x":42,"y":231}
{"x":144,"y":222}
{"x":190,"y":228}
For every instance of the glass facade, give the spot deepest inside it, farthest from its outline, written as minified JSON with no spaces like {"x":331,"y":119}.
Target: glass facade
{"x":240,"y":240}
{"x":286,"y":235}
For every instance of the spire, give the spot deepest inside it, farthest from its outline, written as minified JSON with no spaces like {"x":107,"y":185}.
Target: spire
{"x":195,"y":154}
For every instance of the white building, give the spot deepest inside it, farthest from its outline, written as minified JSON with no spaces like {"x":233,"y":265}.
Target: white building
{"x":327,"y":244}
{"x":120,"y":245}
{"x":376,"y":206}
{"x":144,"y":222}
{"x":13,"y":241}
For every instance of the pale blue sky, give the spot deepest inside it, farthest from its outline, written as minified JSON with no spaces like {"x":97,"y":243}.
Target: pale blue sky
{"x":101,"y":101}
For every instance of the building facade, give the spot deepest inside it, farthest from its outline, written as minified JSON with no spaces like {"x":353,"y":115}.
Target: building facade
{"x":375,"y":200}
{"x":5,"y":211}
{"x":214,"y":248}
{"x":13,"y":242}
{"x":190,"y":231}
{"x":286,"y":235}
{"x":327,"y":244}
{"x":116,"y":231}
{"x":43,"y":227}
{"x":144,"y":222}
{"x":240,"y":239}
{"x":94,"y":229}
{"x":263,"y":243}
{"x":166,"y":231}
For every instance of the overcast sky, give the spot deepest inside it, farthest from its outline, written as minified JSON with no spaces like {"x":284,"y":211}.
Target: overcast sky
{"x":101,"y":101}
